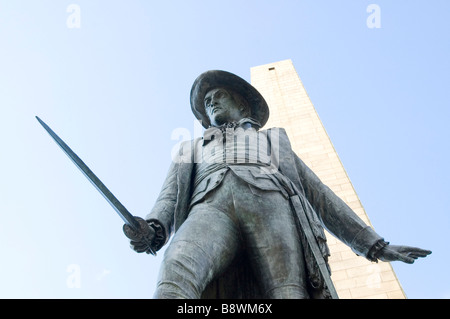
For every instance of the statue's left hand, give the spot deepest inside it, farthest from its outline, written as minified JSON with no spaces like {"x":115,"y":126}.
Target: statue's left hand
{"x":406,"y":254}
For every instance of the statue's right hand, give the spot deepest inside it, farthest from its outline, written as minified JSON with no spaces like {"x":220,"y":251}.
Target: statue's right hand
{"x":139,"y":239}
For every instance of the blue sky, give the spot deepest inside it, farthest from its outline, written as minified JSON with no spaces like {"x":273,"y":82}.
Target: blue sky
{"x":117,"y":87}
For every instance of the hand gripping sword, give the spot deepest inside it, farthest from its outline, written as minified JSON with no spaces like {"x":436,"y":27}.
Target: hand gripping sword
{"x":118,"y":207}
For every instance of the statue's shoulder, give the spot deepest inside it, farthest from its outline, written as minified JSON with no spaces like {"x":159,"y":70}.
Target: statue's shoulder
{"x":279,"y":131}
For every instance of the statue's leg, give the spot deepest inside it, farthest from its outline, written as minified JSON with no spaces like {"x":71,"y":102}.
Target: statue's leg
{"x":204,"y":246}
{"x":272,"y":240}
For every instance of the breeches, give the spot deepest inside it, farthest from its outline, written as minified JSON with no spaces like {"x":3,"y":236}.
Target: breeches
{"x":233,"y":217}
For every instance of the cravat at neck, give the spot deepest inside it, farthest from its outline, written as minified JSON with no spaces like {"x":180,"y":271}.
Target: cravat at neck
{"x":216,"y":131}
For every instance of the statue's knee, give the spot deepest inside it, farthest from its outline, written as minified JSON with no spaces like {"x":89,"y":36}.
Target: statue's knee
{"x":171,"y":290}
{"x":179,"y":277}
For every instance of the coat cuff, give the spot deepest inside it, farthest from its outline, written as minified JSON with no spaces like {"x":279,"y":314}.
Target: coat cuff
{"x":160,"y":234}
{"x":373,"y":252}
{"x":367,"y":243}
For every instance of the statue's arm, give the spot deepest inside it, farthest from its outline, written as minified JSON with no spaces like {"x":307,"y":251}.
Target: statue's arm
{"x":161,"y":216}
{"x":336,"y":216}
{"x":157,"y":226}
{"x":340,"y":220}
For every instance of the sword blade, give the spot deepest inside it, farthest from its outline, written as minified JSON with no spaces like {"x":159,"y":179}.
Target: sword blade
{"x":115,"y":203}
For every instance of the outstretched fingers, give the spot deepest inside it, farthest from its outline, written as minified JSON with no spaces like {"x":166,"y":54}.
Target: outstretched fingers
{"x":419,"y":253}
{"x":405,"y":254}
{"x":410,"y":254}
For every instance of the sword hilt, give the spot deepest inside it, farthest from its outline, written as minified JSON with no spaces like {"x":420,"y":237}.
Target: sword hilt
{"x":139,"y":232}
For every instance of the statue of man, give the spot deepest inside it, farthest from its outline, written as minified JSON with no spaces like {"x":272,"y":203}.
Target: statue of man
{"x":228,"y":202}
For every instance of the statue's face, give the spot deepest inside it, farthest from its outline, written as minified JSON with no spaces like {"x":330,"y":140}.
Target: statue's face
{"x":221,"y":107}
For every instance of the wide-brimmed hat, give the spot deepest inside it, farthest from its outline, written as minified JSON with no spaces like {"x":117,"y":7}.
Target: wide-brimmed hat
{"x":216,"y":78}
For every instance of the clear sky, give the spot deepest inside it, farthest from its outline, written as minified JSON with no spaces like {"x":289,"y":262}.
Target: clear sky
{"x":115,"y":86}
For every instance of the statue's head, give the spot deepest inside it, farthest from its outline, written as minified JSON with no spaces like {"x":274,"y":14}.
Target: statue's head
{"x":224,"y":106}
{"x":218,"y":97}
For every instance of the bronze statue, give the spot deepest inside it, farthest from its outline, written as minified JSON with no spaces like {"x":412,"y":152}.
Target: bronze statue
{"x":246,"y":214}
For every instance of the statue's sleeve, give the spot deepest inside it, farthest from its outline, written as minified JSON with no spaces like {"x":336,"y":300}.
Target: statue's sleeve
{"x":162,"y":212}
{"x":336,"y":216}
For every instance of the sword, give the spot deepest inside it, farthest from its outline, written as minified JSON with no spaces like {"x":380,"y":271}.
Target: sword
{"x":115,"y":203}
